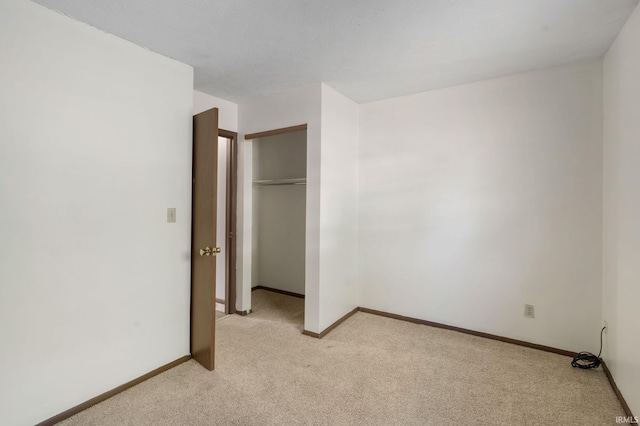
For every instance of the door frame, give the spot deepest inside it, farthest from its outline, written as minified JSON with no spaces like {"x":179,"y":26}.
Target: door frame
{"x":231,"y":220}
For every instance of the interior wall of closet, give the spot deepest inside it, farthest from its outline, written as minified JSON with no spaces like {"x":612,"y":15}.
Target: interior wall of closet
{"x":279,"y":211}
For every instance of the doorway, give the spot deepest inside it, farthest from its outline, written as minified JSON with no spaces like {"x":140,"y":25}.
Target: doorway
{"x":226,"y":222}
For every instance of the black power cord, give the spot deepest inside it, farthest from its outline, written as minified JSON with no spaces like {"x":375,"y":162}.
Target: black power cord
{"x":587,"y":359}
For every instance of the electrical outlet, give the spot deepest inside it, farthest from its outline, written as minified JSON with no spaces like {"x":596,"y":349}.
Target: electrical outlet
{"x":529,"y":311}
{"x":605,"y":324}
{"x":171,"y":215}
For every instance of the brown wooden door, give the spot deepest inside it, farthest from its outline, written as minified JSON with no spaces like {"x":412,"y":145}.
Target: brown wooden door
{"x":203,"y":238}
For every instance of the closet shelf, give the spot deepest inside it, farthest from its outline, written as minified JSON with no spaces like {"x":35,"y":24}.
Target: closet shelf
{"x":266,"y":182}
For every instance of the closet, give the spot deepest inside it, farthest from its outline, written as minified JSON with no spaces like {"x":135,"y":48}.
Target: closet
{"x":279,"y":212}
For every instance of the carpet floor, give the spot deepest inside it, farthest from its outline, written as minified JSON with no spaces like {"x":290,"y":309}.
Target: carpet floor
{"x":370,"y":370}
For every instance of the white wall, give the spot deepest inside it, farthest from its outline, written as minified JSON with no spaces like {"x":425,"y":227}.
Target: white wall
{"x":621,"y":288}
{"x":331,"y":204}
{"x":297,"y":106}
{"x":227,"y":110}
{"x":96,"y":145}
{"x":338,"y":207}
{"x":281,"y":238}
{"x":478,"y":199}
{"x":281,"y":156}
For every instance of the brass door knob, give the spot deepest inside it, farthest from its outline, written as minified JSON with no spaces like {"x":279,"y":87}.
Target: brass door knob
{"x":208,"y":251}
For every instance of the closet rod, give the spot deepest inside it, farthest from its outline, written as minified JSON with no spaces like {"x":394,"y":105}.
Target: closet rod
{"x":280,"y":184}
{"x":267,"y":182}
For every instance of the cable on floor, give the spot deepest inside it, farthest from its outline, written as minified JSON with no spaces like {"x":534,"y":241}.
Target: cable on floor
{"x":588,"y":360}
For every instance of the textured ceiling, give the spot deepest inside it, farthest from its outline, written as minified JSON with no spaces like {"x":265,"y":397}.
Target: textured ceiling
{"x":368,"y":50}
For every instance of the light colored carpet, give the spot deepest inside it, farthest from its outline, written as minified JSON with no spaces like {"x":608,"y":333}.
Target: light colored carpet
{"x":368,"y":371}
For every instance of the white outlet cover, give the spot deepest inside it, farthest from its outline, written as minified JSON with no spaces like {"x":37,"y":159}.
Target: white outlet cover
{"x":529,"y":311}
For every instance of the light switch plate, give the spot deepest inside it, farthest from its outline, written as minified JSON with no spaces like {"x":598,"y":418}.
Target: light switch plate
{"x":171,"y":215}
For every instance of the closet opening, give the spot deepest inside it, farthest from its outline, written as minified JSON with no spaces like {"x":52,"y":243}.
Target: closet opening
{"x":279,"y":161}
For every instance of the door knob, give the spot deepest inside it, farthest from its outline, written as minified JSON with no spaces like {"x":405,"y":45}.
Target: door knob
{"x":208,"y":251}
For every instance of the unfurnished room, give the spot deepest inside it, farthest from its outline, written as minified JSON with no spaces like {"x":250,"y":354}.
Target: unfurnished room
{"x":299,"y":212}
